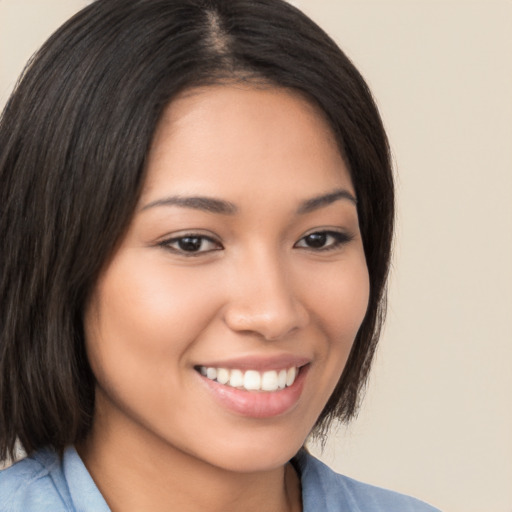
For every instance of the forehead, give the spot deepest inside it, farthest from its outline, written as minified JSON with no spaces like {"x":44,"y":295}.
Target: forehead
{"x":224,"y":138}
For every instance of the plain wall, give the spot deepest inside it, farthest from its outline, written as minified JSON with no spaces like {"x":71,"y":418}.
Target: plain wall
{"x":437,"y":419}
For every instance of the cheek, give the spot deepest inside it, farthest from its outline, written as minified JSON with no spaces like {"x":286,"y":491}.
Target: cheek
{"x":140,"y":316}
{"x":340,"y":301}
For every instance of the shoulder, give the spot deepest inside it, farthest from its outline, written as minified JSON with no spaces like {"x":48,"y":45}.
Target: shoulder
{"x":323,"y":489}
{"x":35,"y":483}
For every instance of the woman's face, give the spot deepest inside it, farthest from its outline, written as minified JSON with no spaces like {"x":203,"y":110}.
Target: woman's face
{"x":224,"y":320}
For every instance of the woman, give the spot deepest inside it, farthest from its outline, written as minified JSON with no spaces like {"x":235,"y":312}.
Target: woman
{"x":197,"y":211}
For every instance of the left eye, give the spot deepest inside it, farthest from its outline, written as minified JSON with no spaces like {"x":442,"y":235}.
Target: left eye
{"x":191,"y":244}
{"x":323,"y":240}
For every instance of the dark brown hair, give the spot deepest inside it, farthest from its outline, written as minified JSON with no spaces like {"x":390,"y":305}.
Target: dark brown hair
{"x":74,"y":137}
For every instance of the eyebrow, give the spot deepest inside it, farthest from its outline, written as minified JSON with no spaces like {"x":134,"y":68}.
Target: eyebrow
{"x":324,"y":200}
{"x":207,"y":204}
{"x":220,"y":206}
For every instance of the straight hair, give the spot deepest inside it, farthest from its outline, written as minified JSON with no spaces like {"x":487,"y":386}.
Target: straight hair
{"x":74,"y":140}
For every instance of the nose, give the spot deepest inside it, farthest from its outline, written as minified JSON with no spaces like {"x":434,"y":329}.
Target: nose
{"x":264,"y":301}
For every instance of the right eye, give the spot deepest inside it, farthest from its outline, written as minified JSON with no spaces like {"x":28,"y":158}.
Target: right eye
{"x":191,"y":244}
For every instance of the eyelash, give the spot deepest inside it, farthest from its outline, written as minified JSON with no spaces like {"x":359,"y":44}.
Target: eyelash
{"x":338,"y":237}
{"x":167,"y":244}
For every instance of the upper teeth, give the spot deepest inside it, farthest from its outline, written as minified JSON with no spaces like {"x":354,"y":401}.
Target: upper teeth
{"x":251,"y":380}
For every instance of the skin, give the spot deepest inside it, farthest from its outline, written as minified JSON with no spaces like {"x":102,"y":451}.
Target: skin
{"x":255,"y":289}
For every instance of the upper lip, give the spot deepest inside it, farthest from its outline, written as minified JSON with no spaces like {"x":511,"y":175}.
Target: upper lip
{"x":259,"y":363}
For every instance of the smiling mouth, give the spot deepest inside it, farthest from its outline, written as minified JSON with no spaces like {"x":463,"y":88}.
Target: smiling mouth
{"x":251,"y":380}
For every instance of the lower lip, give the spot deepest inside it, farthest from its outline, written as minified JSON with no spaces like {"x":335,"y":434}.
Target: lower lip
{"x":258,"y":404}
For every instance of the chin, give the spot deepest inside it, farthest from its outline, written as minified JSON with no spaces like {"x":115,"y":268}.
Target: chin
{"x":253,"y":455}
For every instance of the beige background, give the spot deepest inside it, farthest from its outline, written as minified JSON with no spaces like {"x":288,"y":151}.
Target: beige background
{"x":437,"y":420}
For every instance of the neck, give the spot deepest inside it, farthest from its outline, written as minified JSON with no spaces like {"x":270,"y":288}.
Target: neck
{"x":135,"y":471}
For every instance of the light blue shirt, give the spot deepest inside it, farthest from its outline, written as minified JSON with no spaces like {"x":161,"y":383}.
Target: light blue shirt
{"x":45,"y":483}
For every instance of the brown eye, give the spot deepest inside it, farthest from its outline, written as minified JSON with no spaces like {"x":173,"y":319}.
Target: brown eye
{"x":316,"y":240}
{"x":323,"y":240}
{"x":191,"y":245}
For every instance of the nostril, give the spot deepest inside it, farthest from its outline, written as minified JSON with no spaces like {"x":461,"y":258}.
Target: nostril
{"x":271,"y":326}
{"x":265,"y":303}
